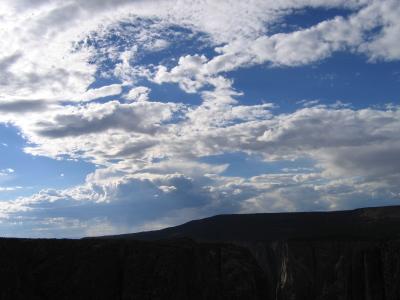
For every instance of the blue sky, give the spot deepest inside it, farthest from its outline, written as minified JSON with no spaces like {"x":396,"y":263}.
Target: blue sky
{"x":121,"y":116}
{"x":345,"y":77}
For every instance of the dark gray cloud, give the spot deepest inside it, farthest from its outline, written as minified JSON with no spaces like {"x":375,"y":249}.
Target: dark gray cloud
{"x":125,"y":203}
{"x":7,"y":77}
{"x":143,"y":117}
{"x":22,"y":106}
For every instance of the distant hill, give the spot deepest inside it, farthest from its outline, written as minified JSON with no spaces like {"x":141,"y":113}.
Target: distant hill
{"x":364,"y":223}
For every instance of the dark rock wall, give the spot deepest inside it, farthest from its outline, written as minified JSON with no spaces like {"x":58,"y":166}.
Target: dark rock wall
{"x":184,"y":269}
{"x":92,"y":269}
{"x":330,"y":269}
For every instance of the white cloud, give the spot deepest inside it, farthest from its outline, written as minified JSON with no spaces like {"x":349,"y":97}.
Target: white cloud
{"x":140,"y":94}
{"x":188,"y":73}
{"x":308,"y":103}
{"x":39,"y":62}
{"x":5,"y":173}
{"x":104,"y":91}
{"x":300,"y":47}
{"x":9,"y":188}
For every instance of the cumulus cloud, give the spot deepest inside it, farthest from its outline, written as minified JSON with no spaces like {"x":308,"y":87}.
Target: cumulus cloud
{"x":140,"y":93}
{"x":136,"y":117}
{"x":354,"y":161}
{"x":59,"y":63}
{"x":299,"y":47}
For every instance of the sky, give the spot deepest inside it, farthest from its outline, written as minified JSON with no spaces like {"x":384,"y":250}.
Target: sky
{"x":130,"y":115}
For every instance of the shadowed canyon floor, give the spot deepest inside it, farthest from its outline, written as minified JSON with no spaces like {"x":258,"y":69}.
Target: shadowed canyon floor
{"x":330,"y":255}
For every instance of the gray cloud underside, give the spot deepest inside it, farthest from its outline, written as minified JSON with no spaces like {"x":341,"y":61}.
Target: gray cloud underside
{"x":137,"y":117}
{"x":22,"y":106}
{"x":355,"y":164}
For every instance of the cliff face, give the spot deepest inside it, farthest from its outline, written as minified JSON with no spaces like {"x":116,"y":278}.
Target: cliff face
{"x":184,"y":269}
{"x":330,"y":269}
{"x":93,"y":269}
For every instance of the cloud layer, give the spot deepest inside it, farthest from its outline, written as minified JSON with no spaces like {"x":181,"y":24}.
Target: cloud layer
{"x":77,"y":82}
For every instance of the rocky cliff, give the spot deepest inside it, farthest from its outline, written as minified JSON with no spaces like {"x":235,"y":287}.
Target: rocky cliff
{"x":103,"y":269}
{"x":330,"y":269}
